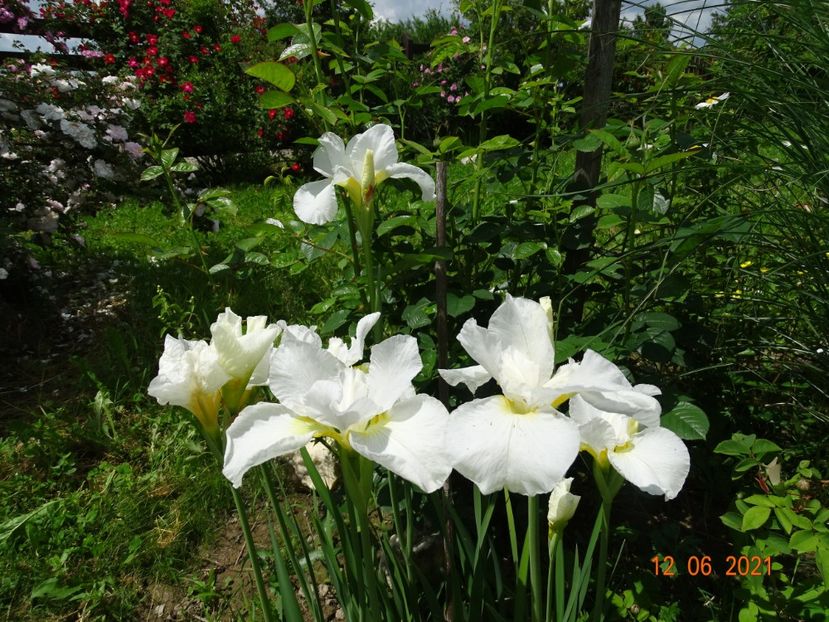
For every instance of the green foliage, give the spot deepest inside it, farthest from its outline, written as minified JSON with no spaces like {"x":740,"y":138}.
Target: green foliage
{"x":785,"y":521}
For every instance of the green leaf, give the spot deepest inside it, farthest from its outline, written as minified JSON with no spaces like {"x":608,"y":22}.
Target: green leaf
{"x":282,"y":31}
{"x":761,"y":500}
{"x":611,"y":201}
{"x":762,"y":446}
{"x":527,"y":249}
{"x":687,"y":421}
{"x":8,"y":527}
{"x":151,"y":172}
{"x":796,"y":519}
{"x":219,"y":267}
{"x":785,"y":523}
{"x":588,"y":144}
{"x":326,"y":113}
{"x":496,"y":101}
{"x":449,"y":143}
{"x":297,"y":50}
{"x":51,"y":589}
{"x":659,"y":321}
{"x":804,"y":541}
{"x":275,"y":73}
{"x":581,"y":211}
{"x":335,"y":320}
{"x":675,"y":69}
{"x":504,"y":141}
{"x":168,"y":156}
{"x":732,"y":520}
{"x":275,"y":99}
{"x":184,"y":167}
{"x":457,"y":306}
{"x":362,"y":7}
{"x":665,"y":160}
{"x":393,"y":223}
{"x":417,"y":315}
{"x":755,"y":518}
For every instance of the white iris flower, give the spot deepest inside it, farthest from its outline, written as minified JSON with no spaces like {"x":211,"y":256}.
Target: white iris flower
{"x":648,"y":456}
{"x":370,"y":408}
{"x":369,"y":159}
{"x":516,"y":440}
{"x":244,"y":356}
{"x":189,"y":375}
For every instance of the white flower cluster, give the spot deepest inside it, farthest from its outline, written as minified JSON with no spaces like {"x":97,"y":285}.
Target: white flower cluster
{"x":520,"y":439}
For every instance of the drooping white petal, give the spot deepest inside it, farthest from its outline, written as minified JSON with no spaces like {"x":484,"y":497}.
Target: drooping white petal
{"x":262,"y":432}
{"x":403,"y":170}
{"x":316,"y":202}
{"x":295,"y":368}
{"x":329,"y":154}
{"x":393,"y":365}
{"x":644,"y":408}
{"x":410,"y":442}
{"x":473,"y":377}
{"x":658,"y":462}
{"x":496,"y":448}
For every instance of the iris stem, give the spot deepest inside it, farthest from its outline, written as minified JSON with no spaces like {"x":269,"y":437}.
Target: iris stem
{"x":254,"y":558}
{"x":535,"y":558}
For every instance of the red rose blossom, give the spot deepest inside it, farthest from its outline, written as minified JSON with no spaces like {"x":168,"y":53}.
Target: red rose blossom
{"x":193,"y":59}
{"x":288,"y":113}
{"x":260,"y":132}
{"x":132,"y":63}
{"x":280,"y":136}
{"x":217,"y":47}
{"x":260,"y":89}
{"x":204,"y":50}
{"x":168,"y":13}
{"x":133,"y":37}
{"x":163,"y":61}
{"x":187,"y":87}
{"x":198,"y":29}
{"x":234,"y":39}
{"x":109,"y":59}
{"x":152,"y":39}
{"x":189,"y":116}
{"x":185,"y":35}
{"x":152,"y":51}
{"x":295,"y":167}
{"x":272,"y":113}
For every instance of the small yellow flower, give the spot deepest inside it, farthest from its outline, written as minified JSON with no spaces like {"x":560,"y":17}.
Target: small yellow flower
{"x":746,"y":264}
{"x":764,"y":269}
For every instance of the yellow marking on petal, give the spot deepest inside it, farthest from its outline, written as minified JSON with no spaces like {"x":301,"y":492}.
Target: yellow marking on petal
{"x":518,"y":407}
{"x":352,"y":186}
{"x":561,"y":399}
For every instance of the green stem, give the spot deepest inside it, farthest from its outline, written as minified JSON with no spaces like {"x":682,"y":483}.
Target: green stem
{"x":355,"y":252}
{"x":536,"y":590}
{"x":312,"y":43}
{"x":177,"y":204}
{"x":609,"y":482}
{"x":254,"y":558}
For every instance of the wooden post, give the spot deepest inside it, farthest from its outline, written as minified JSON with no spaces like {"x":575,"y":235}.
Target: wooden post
{"x":440,"y":280}
{"x":598,"y":82}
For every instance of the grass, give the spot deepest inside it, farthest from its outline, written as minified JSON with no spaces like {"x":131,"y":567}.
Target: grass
{"x":104,"y":495}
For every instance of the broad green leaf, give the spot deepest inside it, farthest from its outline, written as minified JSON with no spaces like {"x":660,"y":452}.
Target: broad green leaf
{"x":248,"y":244}
{"x":610,"y":201}
{"x":297,"y":50}
{"x":334,"y":321}
{"x":527,"y":249}
{"x":8,"y":528}
{"x":761,"y":500}
{"x":219,"y":267}
{"x":496,"y":101}
{"x":732,"y":520}
{"x":804,"y":541}
{"x":151,"y":172}
{"x":275,"y":99}
{"x":755,"y":518}
{"x":457,"y":305}
{"x":658,"y":320}
{"x":282,"y":31}
{"x":581,"y":211}
{"x":504,"y":141}
{"x":184,"y":167}
{"x":796,"y":519}
{"x":275,"y":73}
{"x":50,"y":588}
{"x":449,"y":143}
{"x":762,"y":446}
{"x":589,"y":143}
{"x":609,"y":139}
{"x":785,"y":523}
{"x":393,"y":223}
{"x":168,"y":156}
{"x":687,"y":421}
